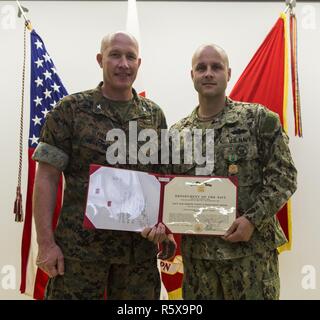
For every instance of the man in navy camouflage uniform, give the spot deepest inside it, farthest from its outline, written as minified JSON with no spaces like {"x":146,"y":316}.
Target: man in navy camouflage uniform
{"x":248,"y":143}
{"x":82,"y":263}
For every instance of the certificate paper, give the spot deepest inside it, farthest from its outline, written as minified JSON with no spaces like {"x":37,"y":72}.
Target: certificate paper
{"x":199,"y":205}
{"x":127,"y":200}
{"x":120,"y":199}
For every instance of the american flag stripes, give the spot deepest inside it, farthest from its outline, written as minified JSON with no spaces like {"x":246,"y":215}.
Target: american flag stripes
{"x":46,"y":89}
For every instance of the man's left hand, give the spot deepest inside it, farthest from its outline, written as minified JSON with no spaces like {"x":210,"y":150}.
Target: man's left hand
{"x":169,"y":247}
{"x":240,"y":230}
{"x":156,"y":234}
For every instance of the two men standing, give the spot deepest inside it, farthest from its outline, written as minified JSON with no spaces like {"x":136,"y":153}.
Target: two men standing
{"x":249,"y":143}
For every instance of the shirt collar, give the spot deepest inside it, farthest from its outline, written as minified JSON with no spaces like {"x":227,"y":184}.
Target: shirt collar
{"x":101,"y":105}
{"x":225,"y":116}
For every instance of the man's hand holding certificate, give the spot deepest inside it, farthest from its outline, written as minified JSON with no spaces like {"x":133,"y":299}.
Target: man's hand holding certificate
{"x":120,"y":199}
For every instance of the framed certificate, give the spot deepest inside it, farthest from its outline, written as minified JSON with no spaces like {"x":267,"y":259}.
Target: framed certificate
{"x":199,"y":205}
{"x":127,"y":200}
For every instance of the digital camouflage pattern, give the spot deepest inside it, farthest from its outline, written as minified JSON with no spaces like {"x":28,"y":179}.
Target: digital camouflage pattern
{"x":73,"y":137}
{"x":88,"y":280}
{"x":250,"y":137}
{"x":255,"y":277}
{"x":248,"y":143}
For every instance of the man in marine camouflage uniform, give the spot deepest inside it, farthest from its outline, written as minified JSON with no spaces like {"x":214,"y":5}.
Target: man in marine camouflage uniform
{"x":83,"y":263}
{"x":248,"y":143}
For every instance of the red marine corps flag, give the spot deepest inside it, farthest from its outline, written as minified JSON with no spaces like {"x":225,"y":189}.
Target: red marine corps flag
{"x":265,"y":81}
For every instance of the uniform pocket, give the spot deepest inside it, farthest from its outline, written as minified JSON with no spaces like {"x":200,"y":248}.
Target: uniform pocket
{"x":240,"y":151}
{"x":145,"y":123}
{"x":55,"y":288}
{"x":249,"y":173}
{"x":245,"y":156}
{"x":184,"y":169}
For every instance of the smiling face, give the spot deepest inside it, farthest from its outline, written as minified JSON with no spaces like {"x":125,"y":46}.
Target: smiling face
{"x":210,"y":71}
{"x":119,"y":59}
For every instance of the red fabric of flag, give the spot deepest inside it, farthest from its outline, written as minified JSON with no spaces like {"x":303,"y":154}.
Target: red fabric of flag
{"x":264,"y":81}
{"x":46,"y":89}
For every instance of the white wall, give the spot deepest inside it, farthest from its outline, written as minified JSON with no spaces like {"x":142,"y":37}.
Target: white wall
{"x":170,"y":32}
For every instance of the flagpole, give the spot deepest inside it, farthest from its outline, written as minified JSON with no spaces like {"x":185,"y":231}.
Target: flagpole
{"x":17,"y":207}
{"x":290,"y":5}
{"x":27,"y":21}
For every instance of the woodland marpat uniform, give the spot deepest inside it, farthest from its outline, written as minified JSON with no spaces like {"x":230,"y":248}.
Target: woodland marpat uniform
{"x":73,"y":137}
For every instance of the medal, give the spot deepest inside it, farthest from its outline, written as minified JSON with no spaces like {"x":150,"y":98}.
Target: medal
{"x":232,"y":157}
{"x":233,"y":169}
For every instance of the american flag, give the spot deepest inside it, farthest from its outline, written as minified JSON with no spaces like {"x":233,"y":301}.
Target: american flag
{"x":46,"y":89}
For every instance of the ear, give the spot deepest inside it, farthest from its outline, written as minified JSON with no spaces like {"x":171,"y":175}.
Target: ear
{"x":229,"y":74}
{"x":191,"y":73}
{"x":99,"y":59}
{"x":139,"y":62}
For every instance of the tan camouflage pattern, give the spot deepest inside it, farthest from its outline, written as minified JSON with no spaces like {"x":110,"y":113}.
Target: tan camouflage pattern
{"x":88,"y":280}
{"x":73,"y":137}
{"x":254,"y":277}
{"x":251,"y":137}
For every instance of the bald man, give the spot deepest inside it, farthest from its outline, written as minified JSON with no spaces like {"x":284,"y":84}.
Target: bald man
{"x":82,"y":263}
{"x":249,"y":144}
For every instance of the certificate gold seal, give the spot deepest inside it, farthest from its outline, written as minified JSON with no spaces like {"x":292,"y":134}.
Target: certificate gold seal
{"x":199,"y":227}
{"x":200,"y":188}
{"x":233,"y":169}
